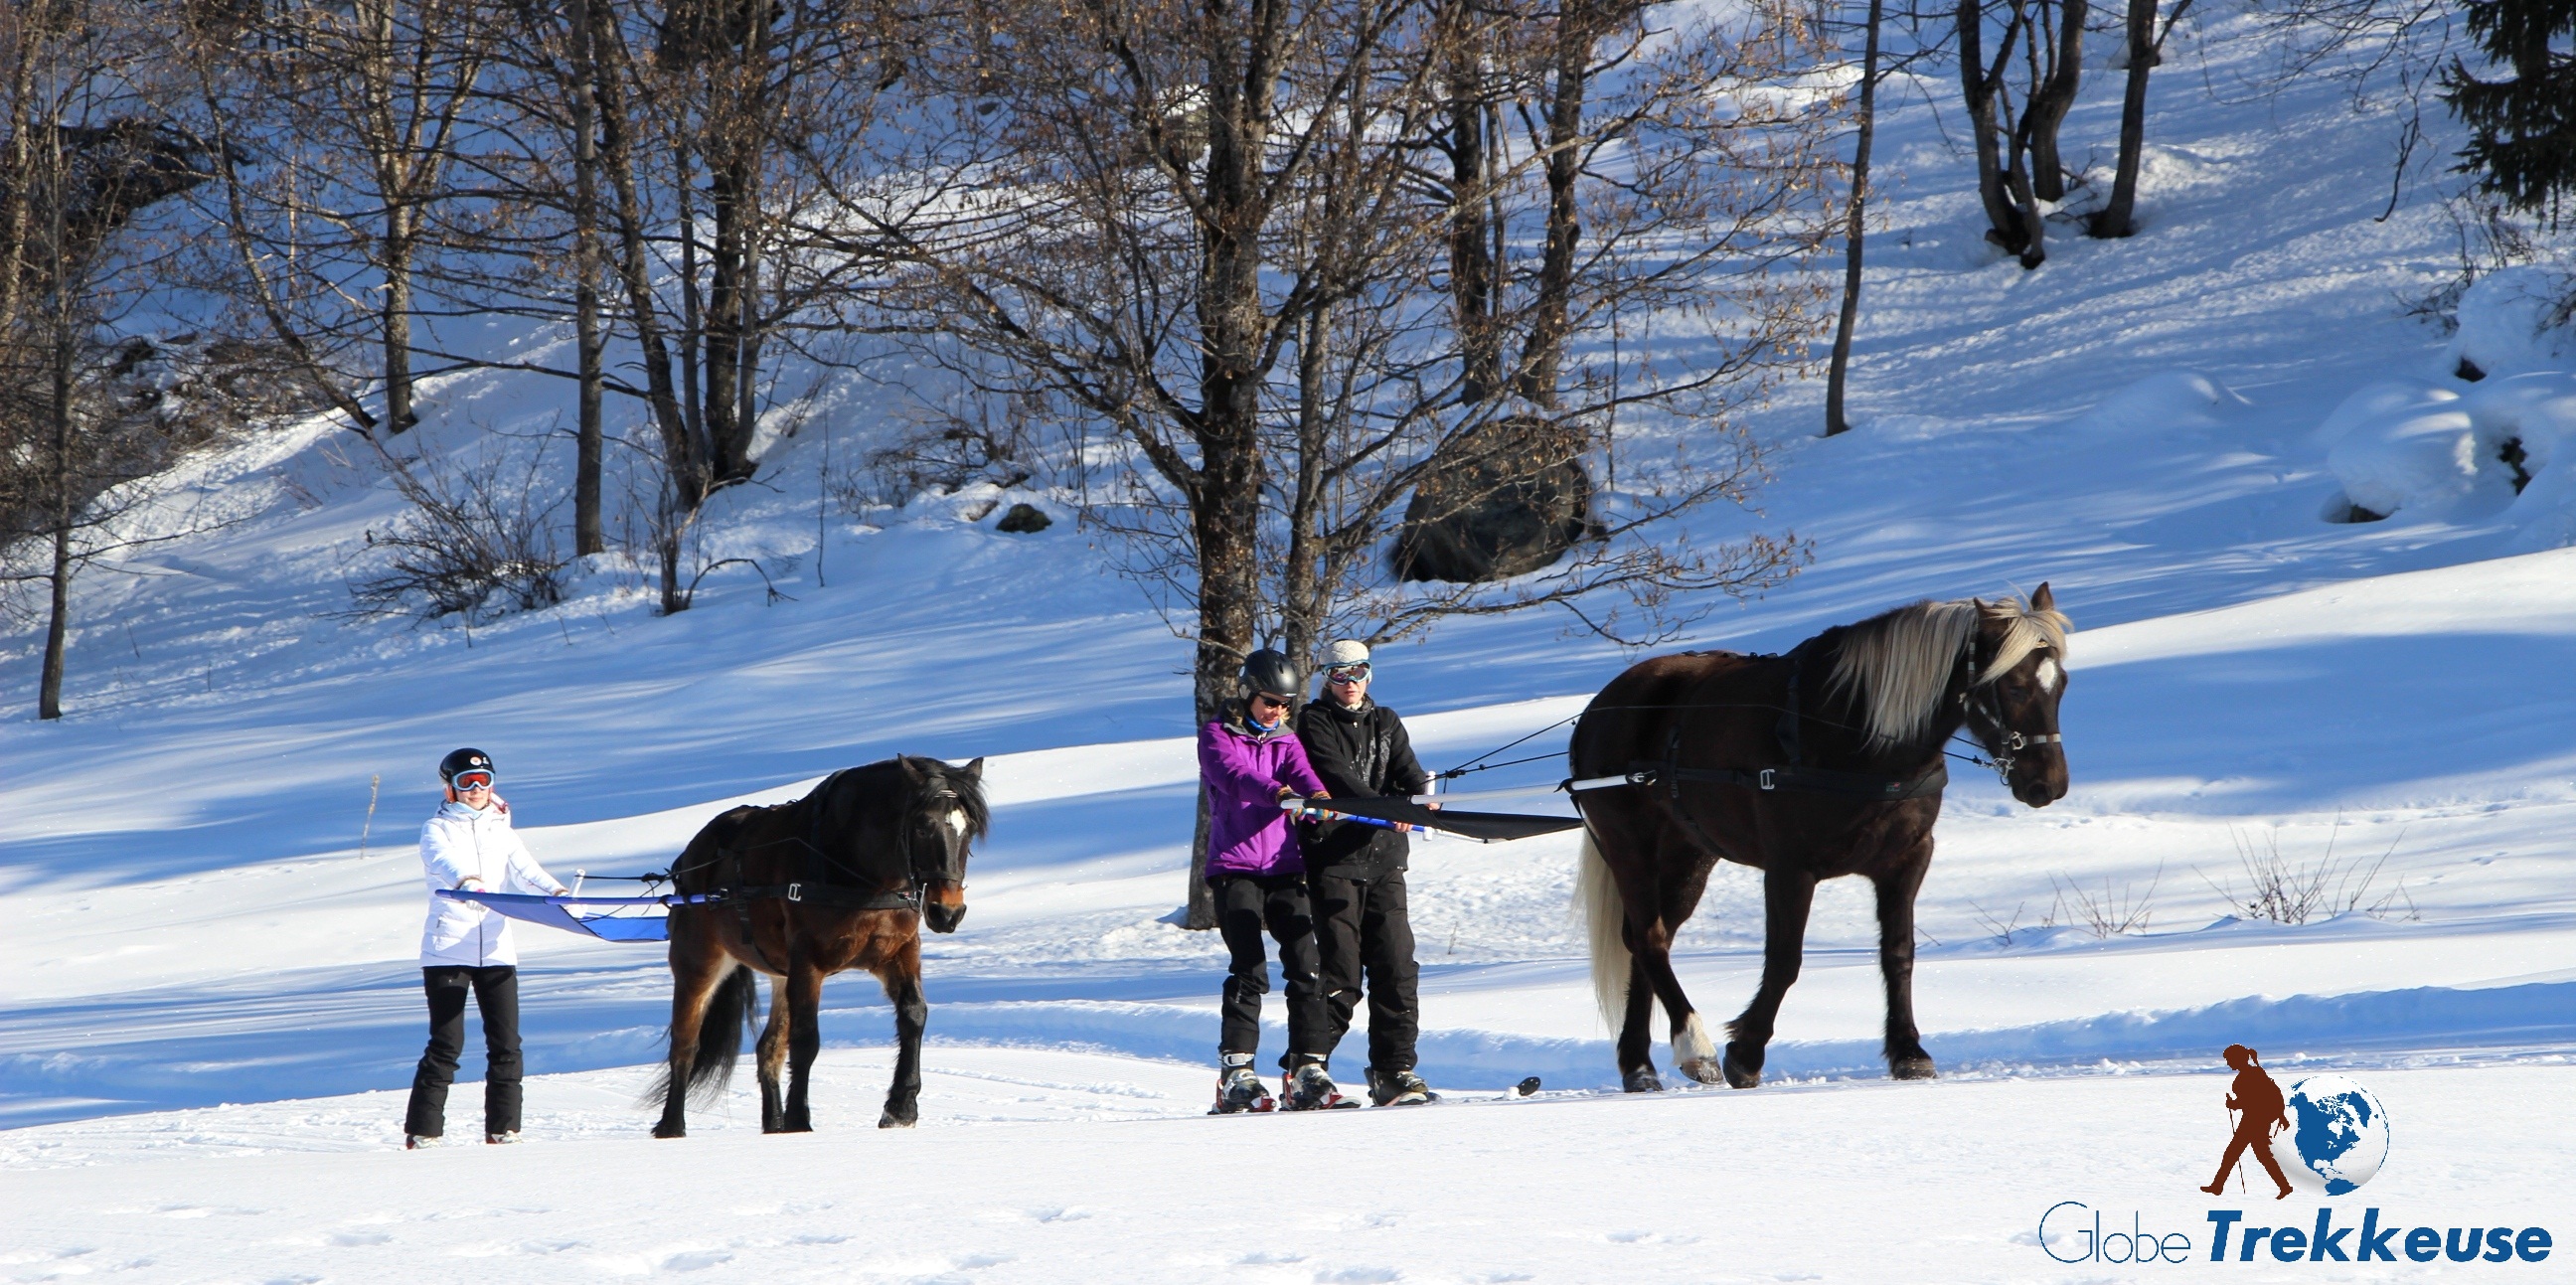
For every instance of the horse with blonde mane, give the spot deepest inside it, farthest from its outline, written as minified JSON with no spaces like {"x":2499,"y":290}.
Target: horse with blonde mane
{"x":1820,"y":763}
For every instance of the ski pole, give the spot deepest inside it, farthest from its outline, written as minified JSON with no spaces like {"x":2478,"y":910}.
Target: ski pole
{"x":2240,"y":1156}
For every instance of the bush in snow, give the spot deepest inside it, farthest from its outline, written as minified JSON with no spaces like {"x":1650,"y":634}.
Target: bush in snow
{"x":2438,"y":453}
{"x":2286,"y":890}
{"x":2514,"y":320}
{"x":467,"y":540}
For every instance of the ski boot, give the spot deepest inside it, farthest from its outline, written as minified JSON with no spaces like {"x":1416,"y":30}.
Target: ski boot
{"x":1239,"y":1087}
{"x":1310,"y":1088}
{"x":1398,"y":1089}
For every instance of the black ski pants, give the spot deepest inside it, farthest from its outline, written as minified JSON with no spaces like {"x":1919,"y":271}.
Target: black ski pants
{"x":1245,"y":904}
{"x":496,"y":995}
{"x":1362,"y":926}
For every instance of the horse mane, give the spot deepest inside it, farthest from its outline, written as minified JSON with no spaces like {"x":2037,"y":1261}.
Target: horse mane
{"x":1894,"y":666}
{"x":879,"y":788}
{"x":969,"y":792}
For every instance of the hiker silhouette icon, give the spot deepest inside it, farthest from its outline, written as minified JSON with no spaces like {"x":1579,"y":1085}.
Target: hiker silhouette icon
{"x":2259,"y":1109}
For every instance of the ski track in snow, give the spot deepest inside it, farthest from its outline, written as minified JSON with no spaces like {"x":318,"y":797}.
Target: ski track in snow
{"x":211,"y":1005}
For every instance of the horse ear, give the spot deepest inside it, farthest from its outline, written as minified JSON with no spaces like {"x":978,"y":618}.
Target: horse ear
{"x":911,"y":768}
{"x":2041,"y":599}
{"x":975,"y":770}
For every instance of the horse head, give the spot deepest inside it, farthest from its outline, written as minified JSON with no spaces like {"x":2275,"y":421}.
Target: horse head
{"x":2016,"y":674}
{"x":943,"y":816}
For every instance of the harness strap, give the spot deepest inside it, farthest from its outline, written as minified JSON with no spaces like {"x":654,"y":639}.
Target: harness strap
{"x":1805,"y":780}
{"x":820,"y":894}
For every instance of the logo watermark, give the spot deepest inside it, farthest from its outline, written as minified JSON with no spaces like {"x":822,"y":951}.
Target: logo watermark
{"x":2327,"y":1134}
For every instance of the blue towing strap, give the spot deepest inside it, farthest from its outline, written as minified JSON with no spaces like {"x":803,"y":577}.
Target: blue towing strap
{"x":566,"y":913}
{"x":1492,"y":827}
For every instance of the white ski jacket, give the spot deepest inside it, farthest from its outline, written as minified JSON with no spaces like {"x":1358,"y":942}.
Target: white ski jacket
{"x":463,"y":848}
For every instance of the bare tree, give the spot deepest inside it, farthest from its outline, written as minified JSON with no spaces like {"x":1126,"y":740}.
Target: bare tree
{"x":90,"y":146}
{"x":381,"y":89}
{"x":2143,"y":52}
{"x":1204,"y":241}
{"x":275,"y":259}
{"x":2004,"y":185}
{"x":721,"y":130}
{"x":1855,"y":223}
{"x":2055,"y":52}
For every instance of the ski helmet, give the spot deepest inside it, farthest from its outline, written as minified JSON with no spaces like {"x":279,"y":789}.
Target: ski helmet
{"x":1269,"y":671}
{"x":466,"y":760}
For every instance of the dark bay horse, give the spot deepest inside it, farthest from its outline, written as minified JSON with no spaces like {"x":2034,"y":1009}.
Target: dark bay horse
{"x":842,"y":878}
{"x":1820,"y":763}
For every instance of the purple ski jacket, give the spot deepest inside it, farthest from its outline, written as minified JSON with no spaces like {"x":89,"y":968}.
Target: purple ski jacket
{"x":1243,"y":770}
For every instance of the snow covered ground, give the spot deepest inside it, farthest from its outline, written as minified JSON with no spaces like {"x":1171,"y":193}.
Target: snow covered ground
{"x":1065,"y":1173}
{"x":209,"y":1007}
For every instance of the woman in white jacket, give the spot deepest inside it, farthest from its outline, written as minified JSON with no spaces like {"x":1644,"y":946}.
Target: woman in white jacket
{"x":468,"y":844}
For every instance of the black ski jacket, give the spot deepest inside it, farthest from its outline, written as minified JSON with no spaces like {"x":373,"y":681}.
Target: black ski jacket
{"x":1361,"y":754}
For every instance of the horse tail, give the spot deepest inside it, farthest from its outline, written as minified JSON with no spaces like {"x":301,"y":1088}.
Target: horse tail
{"x":729,"y":1017}
{"x":729,"y":1014}
{"x":1605,"y":916}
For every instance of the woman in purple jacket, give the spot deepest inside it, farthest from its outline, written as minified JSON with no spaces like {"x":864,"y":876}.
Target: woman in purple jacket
{"x":1249,"y":760}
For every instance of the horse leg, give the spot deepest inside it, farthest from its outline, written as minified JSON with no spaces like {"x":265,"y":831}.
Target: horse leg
{"x":804,"y":987}
{"x":1906,"y":1059}
{"x":696,"y":971}
{"x":1786,"y":896}
{"x":902,"y":978}
{"x":1694,"y":1053}
{"x":1636,"y":1058}
{"x":773,"y":1059}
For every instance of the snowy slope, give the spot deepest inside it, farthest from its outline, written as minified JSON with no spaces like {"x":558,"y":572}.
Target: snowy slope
{"x":197,"y":921}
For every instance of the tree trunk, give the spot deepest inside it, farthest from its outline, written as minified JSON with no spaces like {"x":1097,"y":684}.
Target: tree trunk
{"x":1305,"y":597}
{"x":2034,"y":250}
{"x":1225,"y":500}
{"x":1981,"y":85}
{"x":1472,"y":267}
{"x":692,"y":333}
{"x":2050,"y":102}
{"x":1543,"y":358}
{"x":2117,"y":219}
{"x":587,"y":534}
{"x":397,"y":320}
{"x":732,"y":193}
{"x":396,"y":171}
{"x":49,"y":696}
{"x":14,"y":224}
{"x":1854,"y":228}
{"x":684,"y":466}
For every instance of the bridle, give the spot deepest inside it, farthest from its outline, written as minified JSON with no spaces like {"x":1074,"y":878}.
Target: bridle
{"x":1985,"y":714}
{"x":933,"y":808}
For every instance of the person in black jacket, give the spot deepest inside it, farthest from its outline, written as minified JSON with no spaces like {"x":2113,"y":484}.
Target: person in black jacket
{"x":1355,"y":872}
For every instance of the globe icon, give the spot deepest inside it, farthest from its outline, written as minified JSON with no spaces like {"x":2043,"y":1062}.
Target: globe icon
{"x":2338,"y":1134}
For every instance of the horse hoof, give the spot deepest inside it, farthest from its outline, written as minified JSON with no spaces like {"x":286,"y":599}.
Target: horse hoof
{"x":892,"y":1121}
{"x":1912,"y":1068}
{"x":1742,"y":1072}
{"x":1642,"y":1080}
{"x":1704,"y":1070}
{"x":670,"y":1131}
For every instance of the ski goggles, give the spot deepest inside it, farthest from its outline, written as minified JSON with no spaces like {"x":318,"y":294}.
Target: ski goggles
{"x":1347,"y":675}
{"x":478,"y":779}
